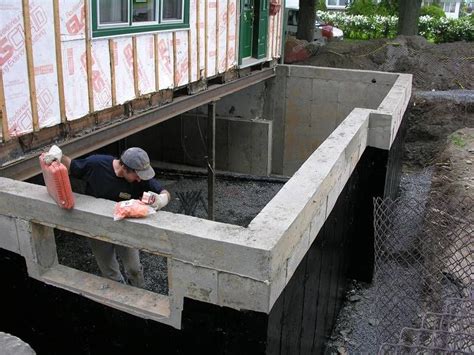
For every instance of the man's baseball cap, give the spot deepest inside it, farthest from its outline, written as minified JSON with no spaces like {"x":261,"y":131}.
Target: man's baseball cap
{"x":137,"y":159}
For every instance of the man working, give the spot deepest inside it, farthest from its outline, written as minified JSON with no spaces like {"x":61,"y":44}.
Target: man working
{"x":117,"y":180}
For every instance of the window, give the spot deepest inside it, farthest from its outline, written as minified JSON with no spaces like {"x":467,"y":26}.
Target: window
{"x":337,"y":3}
{"x":448,"y":6}
{"x":122,"y":17}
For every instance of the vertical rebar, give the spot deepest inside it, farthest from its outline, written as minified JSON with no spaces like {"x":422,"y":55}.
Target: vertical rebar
{"x":211,"y":152}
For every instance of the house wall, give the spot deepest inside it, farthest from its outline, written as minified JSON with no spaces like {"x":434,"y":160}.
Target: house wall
{"x":52,"y":71}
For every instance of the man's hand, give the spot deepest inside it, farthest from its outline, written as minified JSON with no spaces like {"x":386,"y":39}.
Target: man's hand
{"x":54,"y":153}
{"x":157,"y":201}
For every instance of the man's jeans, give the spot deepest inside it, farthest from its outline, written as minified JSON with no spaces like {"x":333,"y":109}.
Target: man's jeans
{"x":106,"y":256}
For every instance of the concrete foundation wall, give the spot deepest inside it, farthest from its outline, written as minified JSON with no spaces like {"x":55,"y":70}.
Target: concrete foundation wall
{"x":242,"y":145}
{"x":240,"y":268}
{"x":310,"y":102}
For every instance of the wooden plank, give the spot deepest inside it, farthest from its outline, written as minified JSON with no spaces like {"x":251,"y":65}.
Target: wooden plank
{"x":59,"y":61}
{"x":30,"y":64}
{"x":311,"y":299}
{"x":205,"y":38}
{"x":157,"y":63}
{"x":275,"y":321}
{"x":113,"y":86}
{"x":135,"y":66}
{"x":3,"y":108}
{"x":198,"y":31}
{"x":89,"y":57}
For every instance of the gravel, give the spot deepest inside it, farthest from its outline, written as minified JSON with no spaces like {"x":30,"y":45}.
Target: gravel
{"x":237,"y":201}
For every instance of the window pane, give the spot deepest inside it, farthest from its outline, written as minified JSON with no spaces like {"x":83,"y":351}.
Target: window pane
{"x":172,"y":9}
{"x":332,"y":2}
{"x":113,"y":11}
{"x":144,"y":10}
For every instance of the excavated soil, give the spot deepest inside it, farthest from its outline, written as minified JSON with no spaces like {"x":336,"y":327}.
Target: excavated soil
{"x":438,"y":151}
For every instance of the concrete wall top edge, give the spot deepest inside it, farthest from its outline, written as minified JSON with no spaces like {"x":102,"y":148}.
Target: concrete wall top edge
{"x":338,"y":74}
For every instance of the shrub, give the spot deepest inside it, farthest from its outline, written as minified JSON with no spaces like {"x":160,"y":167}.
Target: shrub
{"x":362,"y":7}
{"x":433,"y":11}
{"x":438,"y":30}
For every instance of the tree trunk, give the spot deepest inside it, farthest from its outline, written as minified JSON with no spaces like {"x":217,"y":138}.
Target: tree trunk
{"x":408,"y":13}
{"x":306,"y":19}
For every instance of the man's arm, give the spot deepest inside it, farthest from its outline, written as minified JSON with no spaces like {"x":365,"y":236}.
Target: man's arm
{"x":66,"y":161}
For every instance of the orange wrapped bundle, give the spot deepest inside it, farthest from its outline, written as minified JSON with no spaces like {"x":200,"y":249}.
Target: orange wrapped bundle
{"x":131,"y":209}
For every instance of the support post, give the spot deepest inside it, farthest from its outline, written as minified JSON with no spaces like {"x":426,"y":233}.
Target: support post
{"x":211,"y":154}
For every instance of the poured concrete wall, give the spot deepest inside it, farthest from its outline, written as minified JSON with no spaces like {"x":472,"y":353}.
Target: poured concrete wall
{"x":221,"y":264}
{"x":310,"y":102}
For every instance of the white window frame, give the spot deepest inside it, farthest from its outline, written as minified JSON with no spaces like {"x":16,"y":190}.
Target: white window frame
{"x":112,"y":25}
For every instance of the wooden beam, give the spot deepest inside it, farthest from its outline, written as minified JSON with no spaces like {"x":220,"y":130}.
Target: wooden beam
{"x":135,"y":66}
{"x":59,"y":61}
{"x":3,"y":108}
{"x":113,"y":87}
{"x":30,"y":64}
{"x":90,"y":88}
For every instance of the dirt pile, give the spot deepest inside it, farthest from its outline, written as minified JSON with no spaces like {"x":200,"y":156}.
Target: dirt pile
{"x":444,"y":66}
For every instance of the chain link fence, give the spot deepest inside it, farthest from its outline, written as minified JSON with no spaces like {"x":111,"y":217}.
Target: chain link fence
{"x":423,"y":275}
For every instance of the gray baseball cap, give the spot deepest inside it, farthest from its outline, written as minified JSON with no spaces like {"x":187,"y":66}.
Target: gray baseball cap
{"x":137,"y":159}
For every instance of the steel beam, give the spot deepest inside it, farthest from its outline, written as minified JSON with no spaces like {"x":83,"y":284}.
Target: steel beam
{"x":28,"y":166}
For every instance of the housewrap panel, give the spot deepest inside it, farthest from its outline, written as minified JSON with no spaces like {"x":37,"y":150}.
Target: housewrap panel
{"x":202,"y":38}
{"x":44,"y":59}
{"x":75,"y":79}
{"x":222,"y":20}
{"x":72,"y":20}
{"x":193,"y":34}
{"x":211,"y":38}
{"x":165,"y":60}
{"x":181,"y":74}
{"x":231,"y":46}
{"x":146,"y":64}
{"x":14,"y":69}
{"x":123,"y":54}
{"x":101,"y":82}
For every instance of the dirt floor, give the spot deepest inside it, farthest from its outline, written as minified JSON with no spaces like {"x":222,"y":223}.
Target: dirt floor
{"x":438,"y":154}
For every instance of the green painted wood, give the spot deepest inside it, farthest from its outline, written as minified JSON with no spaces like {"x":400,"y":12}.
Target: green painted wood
{"x":261,"y":24}
{"x":246,"y":29}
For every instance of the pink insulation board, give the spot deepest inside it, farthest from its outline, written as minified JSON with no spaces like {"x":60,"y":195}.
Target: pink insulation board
{"x":165,"y":60}
{"x":222,"y":18}
{"x":211,"y":37}
{"x":124,"y":69}
{"x":231,"y":46}
{"x":72,"y":20}
{"x":193,"y":34}
{"x":75,"y":79}
{"x":14,"y":69}
{"x":44,"y":58}
{"x":146,"y":63}
{"x":181,"y":76}
{"x":101,"y":81}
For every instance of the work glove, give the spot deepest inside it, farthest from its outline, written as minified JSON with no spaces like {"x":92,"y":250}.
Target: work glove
{"x":54,"y":153}
{"x":157,"y":201}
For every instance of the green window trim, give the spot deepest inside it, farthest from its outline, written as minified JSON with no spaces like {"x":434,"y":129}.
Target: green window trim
{"x":118,"y":30}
